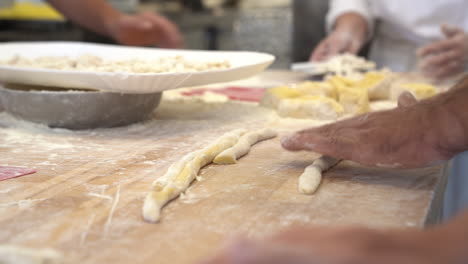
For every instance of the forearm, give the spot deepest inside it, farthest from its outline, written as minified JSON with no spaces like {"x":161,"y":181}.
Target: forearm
{"x":96,"y":15}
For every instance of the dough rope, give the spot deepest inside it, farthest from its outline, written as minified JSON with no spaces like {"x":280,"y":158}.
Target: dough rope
{"x":310,"y":180}
{"x":11,"y":254}
{"x":242,"y":147}
{"x":179,"y":176}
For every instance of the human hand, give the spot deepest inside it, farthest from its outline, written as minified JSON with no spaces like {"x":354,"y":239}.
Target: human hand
{"x":337,"y":42}
{"x":145,"y":29}
{"x":345,"y":245}
{"x":413,"y":135}
{"x":447,"y":57}
{"x":348,"y":36}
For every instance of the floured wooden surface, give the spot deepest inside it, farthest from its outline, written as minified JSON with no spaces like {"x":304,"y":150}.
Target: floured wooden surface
{"x":67,"y":205}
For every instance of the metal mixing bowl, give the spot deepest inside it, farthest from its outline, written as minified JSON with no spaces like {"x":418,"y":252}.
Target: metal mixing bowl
{"x":76,"y":109}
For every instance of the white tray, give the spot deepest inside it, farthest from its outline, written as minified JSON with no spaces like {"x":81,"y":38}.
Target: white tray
{"x":243,"y":65}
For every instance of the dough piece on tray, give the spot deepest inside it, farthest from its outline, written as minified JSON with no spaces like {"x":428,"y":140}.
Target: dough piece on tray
{"x":418,"y":90}
{"x":310,"y":180}
{"x":242,"y":147}
{"x":179,"y":176}
{"x":311,"y":106}
{"x":379,"y":84}
{"x":275,"y":95}
{"x":355,"y":100}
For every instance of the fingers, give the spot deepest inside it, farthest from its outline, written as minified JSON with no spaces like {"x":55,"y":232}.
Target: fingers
{"x":302,"y":140}
{"x":354,"y":47}
{"x":163,"y":31}
{"x":451,"y":69}
{"x":148,"y":29}
{"x":406,"y":99}
{"x":442,"y":67}
{"x":334,"y":140}
{"x":444,"y":58}
{"x":437,"y":47}
{"x":339,"y":44}
{"x":454,"y":41}
{"x":134,"y":23}
{"x":140,"y":24}
{"x":450,"y":31}
{"x":364,"y":139}
{"x":441,"y":59}
{"x":334,"y":44}
{"x":320,"y":53}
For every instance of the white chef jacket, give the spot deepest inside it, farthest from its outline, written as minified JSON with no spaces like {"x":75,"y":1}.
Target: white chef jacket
{"x":400,"y":27}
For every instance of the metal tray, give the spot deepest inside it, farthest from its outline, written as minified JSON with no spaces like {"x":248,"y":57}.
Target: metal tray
{"x":76,"y":109}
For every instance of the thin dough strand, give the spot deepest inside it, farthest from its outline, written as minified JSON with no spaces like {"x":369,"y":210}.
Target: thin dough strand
{"x":310,"y":180}
{"x":182,"y":173}
{"x":230,"y":156}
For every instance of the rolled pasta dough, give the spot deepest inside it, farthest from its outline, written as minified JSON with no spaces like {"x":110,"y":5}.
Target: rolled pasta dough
{"x":11,"y":254}
{"x":310,"y":180}
{"x":179,"y":176}
{"x":242,"y":147}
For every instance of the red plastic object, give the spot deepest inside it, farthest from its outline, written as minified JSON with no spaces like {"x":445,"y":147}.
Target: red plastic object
{"x":7,"y":172}
{"x":233,"y":93}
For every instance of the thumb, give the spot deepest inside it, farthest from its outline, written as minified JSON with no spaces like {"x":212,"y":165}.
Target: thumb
{"x":406,"y":99}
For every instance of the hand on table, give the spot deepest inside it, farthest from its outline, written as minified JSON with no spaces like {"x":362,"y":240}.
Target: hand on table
{"x":412,"y":135}
{"x":345,"y":245}
{"x":447,"y":57}
{"x":146,"y":29}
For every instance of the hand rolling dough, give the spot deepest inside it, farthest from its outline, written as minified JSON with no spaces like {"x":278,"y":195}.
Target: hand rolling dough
{"x":182,"y":173}
{"x":310,"y":180}
{"x":242,"y":147}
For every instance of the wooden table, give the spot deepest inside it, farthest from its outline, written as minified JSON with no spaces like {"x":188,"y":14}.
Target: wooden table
{"x":82,"y":175}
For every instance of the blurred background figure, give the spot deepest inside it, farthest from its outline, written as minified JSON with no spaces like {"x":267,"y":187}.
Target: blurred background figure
{"x":403,"y":34}
{"x":115,"y":20}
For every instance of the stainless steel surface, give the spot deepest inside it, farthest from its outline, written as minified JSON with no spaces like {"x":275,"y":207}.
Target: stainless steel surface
{"x":267,"y":30}
{"x":76,"y":109}
{"x":309,"y":27}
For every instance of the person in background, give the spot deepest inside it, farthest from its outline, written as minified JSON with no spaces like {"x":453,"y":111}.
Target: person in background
{"x":144,"y":29}
{"x":405,"y":34}
{"x":428,"y":132}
